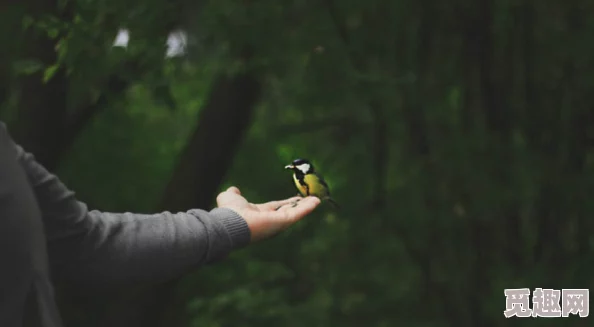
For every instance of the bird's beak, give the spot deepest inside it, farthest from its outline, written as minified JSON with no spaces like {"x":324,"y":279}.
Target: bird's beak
{"x":289,"y":167}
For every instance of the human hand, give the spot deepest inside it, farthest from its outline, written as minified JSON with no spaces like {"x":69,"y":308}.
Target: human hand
{"x":267,"y":219}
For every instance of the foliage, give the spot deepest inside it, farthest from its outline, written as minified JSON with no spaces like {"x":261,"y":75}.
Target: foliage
{"x":457,"y":138}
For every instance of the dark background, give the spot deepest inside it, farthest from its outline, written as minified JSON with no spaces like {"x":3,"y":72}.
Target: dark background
{"x":457,"y":135}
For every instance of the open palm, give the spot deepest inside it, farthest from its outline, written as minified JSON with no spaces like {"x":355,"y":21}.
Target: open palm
{"x":267,"y":219}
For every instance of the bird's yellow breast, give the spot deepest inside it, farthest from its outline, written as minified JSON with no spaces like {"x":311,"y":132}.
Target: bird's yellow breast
{"x":300,"y":187}
{"x":314,"y":185}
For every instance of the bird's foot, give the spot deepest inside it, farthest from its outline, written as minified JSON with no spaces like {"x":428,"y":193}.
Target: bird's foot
{"x":296,"y":202}
{"x":293,"y":204}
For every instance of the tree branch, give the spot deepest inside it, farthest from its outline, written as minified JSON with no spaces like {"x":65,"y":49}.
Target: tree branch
{"x":338,"y":24}
{"x":380,"y":155}
{"x":76,"y":123}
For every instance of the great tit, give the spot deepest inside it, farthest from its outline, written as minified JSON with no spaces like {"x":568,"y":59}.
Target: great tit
{"x":308,"y":182}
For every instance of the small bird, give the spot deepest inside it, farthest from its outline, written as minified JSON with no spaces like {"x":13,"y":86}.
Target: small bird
{"x":308,"y":182}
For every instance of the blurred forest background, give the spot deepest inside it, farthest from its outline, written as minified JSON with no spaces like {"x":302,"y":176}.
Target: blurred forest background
{"x":457,"y":135}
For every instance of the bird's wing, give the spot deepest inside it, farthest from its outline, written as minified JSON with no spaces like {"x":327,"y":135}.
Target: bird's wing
{"x":323,"y":182}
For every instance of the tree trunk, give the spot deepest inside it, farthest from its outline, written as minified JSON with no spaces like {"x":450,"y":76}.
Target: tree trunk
{"x":202,"y":166}
{"x":45,"y":126}
{"x":221,"y":126}
{"x":42,"y":106}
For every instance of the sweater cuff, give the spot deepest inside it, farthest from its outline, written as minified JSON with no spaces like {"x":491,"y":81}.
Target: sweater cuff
{"x":235,"y":225}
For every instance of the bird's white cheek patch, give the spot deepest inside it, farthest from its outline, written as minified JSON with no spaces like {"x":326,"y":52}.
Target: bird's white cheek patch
{"x":304,"y":168}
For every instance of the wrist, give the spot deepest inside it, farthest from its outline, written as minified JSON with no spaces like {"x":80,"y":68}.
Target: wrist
{"x":235,"y":224}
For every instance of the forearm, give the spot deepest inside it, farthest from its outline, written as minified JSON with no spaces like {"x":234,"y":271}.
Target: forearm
{"x":95,"y":247}
{"x":126,"y":247}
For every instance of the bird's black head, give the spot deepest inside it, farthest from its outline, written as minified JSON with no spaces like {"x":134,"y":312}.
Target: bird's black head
{"x":302,"y":166}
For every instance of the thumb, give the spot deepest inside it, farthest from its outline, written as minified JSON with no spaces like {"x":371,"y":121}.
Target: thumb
{"x":234,"y":189}
{"x":223,"y":196}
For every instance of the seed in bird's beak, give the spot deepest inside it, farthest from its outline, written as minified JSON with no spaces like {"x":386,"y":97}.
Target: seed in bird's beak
{"x":289,"y":167}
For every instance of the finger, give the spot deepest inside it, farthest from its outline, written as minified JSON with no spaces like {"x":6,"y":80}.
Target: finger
{"x":234,"y":189}
{"x":273,"y":205}
{"x":303,"y":208}
{"x":224,"y":195}
{"x":297,"y":201}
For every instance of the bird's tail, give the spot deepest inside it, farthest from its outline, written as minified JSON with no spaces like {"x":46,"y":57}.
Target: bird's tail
{"x":331,"y":200}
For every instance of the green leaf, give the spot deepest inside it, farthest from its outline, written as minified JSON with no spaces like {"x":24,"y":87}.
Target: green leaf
{"x":50,"y":72}
{"x":52,"y":33}
{"x":27,"y":66}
